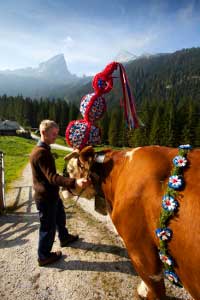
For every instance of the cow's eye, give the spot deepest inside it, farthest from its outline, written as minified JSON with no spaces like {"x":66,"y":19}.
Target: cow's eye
{"x":82,"y":167}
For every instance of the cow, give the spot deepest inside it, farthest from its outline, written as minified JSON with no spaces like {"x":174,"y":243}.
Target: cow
{"x":133,"y":182}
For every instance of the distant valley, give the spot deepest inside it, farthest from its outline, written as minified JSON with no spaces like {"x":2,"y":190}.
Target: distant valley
{"x":51,"y":79}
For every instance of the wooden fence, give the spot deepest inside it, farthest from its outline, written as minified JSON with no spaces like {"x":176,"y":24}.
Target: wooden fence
{"x":2,"y":182}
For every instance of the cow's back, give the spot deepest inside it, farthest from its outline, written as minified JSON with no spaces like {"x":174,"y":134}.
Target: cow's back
{"x":139,"y":181}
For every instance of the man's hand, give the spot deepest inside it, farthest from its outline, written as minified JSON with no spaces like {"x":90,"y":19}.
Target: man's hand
{"x":82,"y":183}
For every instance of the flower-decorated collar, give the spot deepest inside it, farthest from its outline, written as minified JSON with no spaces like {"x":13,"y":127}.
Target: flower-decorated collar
{"x":170,"y":207}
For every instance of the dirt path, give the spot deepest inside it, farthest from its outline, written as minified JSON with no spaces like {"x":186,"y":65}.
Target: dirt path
{"x":96,"y":267}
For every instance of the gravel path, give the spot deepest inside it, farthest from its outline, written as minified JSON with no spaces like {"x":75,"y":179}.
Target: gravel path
{"x":96,"y":267}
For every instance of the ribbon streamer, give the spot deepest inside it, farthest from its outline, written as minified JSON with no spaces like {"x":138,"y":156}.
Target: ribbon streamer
{"x":128,"y":100}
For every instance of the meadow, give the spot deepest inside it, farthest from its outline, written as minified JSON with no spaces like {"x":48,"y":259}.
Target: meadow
{"x":16,"y":155}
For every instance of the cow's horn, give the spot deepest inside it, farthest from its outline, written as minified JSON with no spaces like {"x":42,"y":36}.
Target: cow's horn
{"x":99,"y":158}
{"x":74,"y":153}
{"x":87,"y":154}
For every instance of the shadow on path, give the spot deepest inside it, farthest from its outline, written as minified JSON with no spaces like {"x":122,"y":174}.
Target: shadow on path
{"x":116,"y":250}
{"x":95,"y":266}
{"x":20,"y":219}
{"x":19,"y":226}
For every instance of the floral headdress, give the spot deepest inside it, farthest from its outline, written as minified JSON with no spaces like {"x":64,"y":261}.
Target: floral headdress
{"x":84,"y":132}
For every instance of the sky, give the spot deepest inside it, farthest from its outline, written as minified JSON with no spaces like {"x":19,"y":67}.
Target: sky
{"x":90,"y":33}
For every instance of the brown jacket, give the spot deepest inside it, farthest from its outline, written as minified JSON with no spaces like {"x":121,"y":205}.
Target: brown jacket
{"x":46,"y":181}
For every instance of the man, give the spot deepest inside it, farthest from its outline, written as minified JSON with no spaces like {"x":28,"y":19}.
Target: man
{"x":46,"y":184}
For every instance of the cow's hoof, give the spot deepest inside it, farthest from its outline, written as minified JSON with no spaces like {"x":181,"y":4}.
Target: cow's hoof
{"x":136,"y":296}
{"x":142,"y":290}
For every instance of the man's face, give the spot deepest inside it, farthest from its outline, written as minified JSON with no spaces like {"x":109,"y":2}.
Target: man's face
{"x":50,"y":135}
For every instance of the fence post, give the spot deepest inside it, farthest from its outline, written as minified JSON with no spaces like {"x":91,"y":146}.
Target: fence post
{"x":2,"y":183}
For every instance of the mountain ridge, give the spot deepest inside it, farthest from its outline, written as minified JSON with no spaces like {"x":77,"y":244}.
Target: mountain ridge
{"x":53,"y":79}
{"x":50,"y":75}
{"x":53,"y":69}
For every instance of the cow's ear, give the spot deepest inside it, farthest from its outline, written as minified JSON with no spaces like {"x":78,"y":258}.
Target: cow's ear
{"x":87,"y":154}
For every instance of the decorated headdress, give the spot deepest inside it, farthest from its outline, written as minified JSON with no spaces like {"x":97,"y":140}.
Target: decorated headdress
{"x":81,"y":133}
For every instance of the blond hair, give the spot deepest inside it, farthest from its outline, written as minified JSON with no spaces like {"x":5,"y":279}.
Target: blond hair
{"x":45,"y":125}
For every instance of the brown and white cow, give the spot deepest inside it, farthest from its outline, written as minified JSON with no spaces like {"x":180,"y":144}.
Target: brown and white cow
{"x":134,"y":182}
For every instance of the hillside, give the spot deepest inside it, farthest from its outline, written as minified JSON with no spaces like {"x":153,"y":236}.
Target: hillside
{"x":157,"y":76}
{"x":150,"y":76}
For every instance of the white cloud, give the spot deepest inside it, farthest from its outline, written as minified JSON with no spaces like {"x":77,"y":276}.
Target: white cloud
{"x":68,"y":40}
{"x":87,"y":45}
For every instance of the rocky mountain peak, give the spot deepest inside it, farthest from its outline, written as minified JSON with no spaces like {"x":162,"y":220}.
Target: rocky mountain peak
{"x":55,"y":68}
{"x":125,"y":56}
{"x":55,"y":63}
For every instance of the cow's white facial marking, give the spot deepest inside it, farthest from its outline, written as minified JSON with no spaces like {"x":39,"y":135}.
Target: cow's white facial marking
{"x":142,"y":290}
{"x":72,"y":168}
{"x":130,"y":154}
{"x":157,"y":278}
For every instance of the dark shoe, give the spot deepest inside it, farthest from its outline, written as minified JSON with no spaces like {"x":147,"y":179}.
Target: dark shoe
{"x":54,"y":256}
{"x":69,"y":239}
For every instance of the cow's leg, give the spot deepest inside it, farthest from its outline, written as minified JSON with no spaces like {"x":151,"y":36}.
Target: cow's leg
{"x":149,"y":268}
{"x":142,"y":251}
{"x":151,"y":291}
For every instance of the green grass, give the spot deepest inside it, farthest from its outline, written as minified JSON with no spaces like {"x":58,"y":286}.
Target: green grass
{"x":16,"y":155}
{"x":59,"y":159}
{"x":61,"y":141}
{"x":103,"y":147}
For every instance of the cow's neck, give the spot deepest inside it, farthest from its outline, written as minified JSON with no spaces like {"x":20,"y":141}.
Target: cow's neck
{"x":109,"y":172}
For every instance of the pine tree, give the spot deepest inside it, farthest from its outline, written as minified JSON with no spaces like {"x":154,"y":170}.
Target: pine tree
{"x":156,"y":128}
{"x":197,"y":135}
{"x":169,"y":126}
{"x":104,"y":125}
{"x":73,"y":112}
{"x":113,"y":132}
{"x":188,"y":132}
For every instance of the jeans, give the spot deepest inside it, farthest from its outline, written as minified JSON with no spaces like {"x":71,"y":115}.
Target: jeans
{"x":52,"y":216}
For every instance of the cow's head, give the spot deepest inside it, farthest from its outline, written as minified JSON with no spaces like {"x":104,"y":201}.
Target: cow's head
{"x":78,"y":166}
{"x":84,"y":164}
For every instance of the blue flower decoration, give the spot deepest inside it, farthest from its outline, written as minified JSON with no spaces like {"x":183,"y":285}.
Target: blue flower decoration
{"x":186,"y":147}
{"x":171,"y":276}
{"x":166,"y":259}
{"x":101,"y":83}
{"x":175,"y":182}
{"x":164,"y":234}
{"x":180,"y":161}
{"x":169,"y":203}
